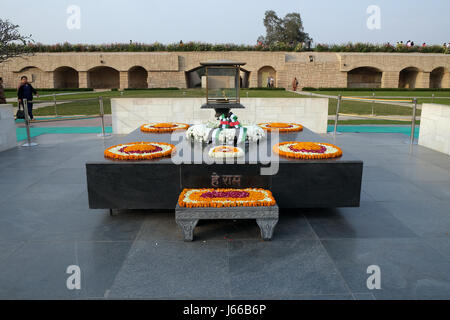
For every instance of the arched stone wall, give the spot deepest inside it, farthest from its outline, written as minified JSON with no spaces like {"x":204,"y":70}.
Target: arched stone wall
{"x":36,"y":76}
{"x":137,"y":78}
{"x":436,"y":77}
{"x":264,"y":73}
{"x":65,"y":78}
{"x":194,"y":77}
{"x":408,"y":78}
{"x":364,"y":77}
{"x":103,"y":78}
{"x":326,"y":69}
{"x":245,"y":78}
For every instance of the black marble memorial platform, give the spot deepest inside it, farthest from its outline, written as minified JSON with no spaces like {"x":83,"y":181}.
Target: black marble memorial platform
{"x":156,"y":184}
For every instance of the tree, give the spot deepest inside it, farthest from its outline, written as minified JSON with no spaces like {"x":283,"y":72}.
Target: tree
{"x":274,"y":27}
{"x":12,"y":43}
{"x":288,"y":30}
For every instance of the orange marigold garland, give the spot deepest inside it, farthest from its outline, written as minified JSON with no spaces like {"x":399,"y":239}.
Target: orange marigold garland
{"x":139,"y":151}
{"x":163,"y":127}
{"x":307,"y":150}
{"x":281,"y":126}
{"x":216,"y":198}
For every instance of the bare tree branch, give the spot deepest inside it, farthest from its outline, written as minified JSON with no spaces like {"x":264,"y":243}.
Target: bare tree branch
{"x":12,"y":43}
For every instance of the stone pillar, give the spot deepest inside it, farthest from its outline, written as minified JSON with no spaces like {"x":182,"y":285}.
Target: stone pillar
{"x":423,"y":80}
{"x":390,"y":79}
{"x":149,"y":80}
{"x":50,"y":83}
{"x":83,"y":79}
{"x":446,"y":80}
{"x":253,"y":80}
{"x":123,"y":80}
{"x":8,"y":137}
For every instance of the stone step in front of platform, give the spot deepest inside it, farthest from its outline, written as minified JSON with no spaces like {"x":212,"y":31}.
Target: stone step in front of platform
{"x":266,"y":218}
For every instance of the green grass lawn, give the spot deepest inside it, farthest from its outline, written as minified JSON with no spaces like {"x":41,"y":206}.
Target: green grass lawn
{"x":359,"y":107}
{"x":92,"y":107}
{"x":422,"y":96}
{"x":13,"y":94}
{"x":405,"y":93}
{"x":370,"y":122}
{"x":365,"y":108}
{"x":182,"y":93}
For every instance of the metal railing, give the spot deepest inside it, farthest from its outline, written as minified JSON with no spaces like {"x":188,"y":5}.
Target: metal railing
{"x":336,"y":120}
{"x":390,"y":100}
{"x":373,"y":101}
{"x":413,"y":122}
{"x":58,"y":118}
{"x":29,"y":143}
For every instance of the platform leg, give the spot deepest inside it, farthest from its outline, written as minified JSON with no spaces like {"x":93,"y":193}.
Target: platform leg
{"x":187,"y":226}
{"x":267,"y":227}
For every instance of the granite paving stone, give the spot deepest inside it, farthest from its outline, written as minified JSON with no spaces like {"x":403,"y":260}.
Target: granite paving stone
{"x":402,"y":225}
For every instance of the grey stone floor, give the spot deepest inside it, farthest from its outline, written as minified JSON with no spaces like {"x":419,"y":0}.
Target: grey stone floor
{"x":402,"y":226}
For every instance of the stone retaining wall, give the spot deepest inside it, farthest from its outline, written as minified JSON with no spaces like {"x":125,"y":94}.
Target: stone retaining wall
{"x":171,"y":69}
{"x":435,"y":127}
{"x":8,"y":137}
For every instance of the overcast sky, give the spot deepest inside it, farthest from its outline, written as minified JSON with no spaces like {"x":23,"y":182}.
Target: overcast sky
{"x":232,"y":21}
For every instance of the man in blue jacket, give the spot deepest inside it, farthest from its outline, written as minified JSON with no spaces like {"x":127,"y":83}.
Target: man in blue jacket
{"x":26,"y":91}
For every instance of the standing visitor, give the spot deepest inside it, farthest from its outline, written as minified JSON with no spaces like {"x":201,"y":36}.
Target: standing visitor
{"x":295,"y":84}
{"x":2,"y":92}
{"x":26,"y":91}
{"x":272,"y":82}
{"x":268,"y":82}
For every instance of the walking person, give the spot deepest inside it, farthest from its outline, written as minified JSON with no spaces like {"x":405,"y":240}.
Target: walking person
{"x":295,"y":84}
{"x":26,"y":91}
{"x":2,"y":92}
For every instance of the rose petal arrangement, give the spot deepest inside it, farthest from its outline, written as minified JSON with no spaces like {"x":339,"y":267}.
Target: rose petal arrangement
{"x":222,"y":152}
{"x":281,"y":126}
{"x":163,"y":127}
{"x":307,"y":150}
{"x":139,"y":151}
{"x":216,"y":198}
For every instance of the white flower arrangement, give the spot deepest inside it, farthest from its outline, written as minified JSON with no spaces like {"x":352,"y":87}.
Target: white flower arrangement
{"x":255,"y":133}
{"x":208,"y":132}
